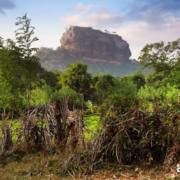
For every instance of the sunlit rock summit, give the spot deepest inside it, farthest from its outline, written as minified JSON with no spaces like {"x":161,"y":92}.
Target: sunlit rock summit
{"x":104,"y":52}
{"x":89,"y":43}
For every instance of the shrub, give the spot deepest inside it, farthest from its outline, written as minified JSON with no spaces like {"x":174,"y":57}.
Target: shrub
{"x":75,"y":100}
{"x":40,"y":96}
{"x":119,"y":102}
{"x":152,"y":98}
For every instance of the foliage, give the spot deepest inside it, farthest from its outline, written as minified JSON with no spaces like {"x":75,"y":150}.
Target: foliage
{"x":13,"y":77}
{"x":104,"y":86}
{"x":20,"y":70}
{"x":25,"y":36}
{"x":139,"y":80}
{"x":138,"y":136}
{"x":6,"y":97}
{"x":174,"y":77}
{"x":57,"y":75}
{"x":40,"y":95}
{"x":161,"y":56}
{"x":75,"y":100}
{"x":92,"y":125}
{"x":120,"y":101}
{"x":91,"y":107}
{"x":77,"y":78}
{"x":152,"y":98}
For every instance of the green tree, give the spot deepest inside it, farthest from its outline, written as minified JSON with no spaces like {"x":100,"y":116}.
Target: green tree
{"x":139,"y":80}
{"x":105,"y":85}
{"x":24,"y":40}
{"x":5,"y":94}
{"x":25,"y":36}
{"x":12,"y":75}
{"x":77,"y":78}
{"x":120,"y":101}
{"x":20,"y":70}
{"x":75,"y":100}
{"x":162,"y":57}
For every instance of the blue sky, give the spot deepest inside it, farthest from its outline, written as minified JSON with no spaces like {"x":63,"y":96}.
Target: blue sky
{"x":137,"y":21}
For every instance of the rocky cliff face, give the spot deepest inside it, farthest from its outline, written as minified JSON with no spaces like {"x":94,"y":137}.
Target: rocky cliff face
{"x":102,"y":51}
{"x":95,"y":44}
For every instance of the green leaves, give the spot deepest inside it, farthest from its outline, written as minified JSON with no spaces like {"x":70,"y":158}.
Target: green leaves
{"x":162,"y":97}
{"x":161,"y":56}
{"x":120,"y":101}
{"x":20,"y":70}
{"x":40,"y":95}
{"x":104,"y":86}
{"x":77,"y":78}
{"x":25,"y":36}
{"x":75,"y":100}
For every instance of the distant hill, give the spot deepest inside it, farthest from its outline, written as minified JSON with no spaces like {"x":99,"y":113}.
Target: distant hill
{"x":104,"y":52}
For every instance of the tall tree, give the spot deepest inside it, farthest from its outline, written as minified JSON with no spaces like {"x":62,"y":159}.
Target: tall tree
{"x":161,"y":56}
{"x":105,"y":85}
{"x":13,"y":76}
{"x":77,"y":78}
{"x":25,"y":36}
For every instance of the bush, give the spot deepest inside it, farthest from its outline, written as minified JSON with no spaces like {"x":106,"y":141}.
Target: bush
{"x":119,"y":102}
{"x":152,"y":98}
{"x":139,"y":137}
{"x":40,"y":96}
{"x":92,"y":127}
{"x":75,"y":100}
{"x":105,"y":85}
{"x":77,"y":78}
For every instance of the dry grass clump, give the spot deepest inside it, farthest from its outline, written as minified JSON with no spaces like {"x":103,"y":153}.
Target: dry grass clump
{"x":134,"y":138}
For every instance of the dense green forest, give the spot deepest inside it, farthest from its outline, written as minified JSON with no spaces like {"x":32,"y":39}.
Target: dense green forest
{"x":91,"y":119}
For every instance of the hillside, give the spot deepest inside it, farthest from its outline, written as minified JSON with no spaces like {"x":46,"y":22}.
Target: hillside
{"x":102,"y":51}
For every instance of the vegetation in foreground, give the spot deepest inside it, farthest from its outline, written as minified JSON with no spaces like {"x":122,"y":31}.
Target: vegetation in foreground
{"x":40,"y":166}
{"x":83,"y":123}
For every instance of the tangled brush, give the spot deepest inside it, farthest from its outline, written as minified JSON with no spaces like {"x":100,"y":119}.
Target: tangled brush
{"x":139,"y":137}
{"x":135,"y":137}
{"x":49,"y":127}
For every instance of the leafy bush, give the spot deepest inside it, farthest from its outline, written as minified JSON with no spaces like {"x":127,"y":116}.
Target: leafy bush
{"x":40,"y":96}
{"x":77,"y":78}
{"x":139,"y":80}
{"x":152,"y":98}
{"x":104,"y":86}
{"x":92,"y":125}
{"x":75,"y":100}
{"x":120,"y":101}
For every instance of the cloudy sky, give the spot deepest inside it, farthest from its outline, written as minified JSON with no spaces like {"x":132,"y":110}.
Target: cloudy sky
{"x":137,"y":21}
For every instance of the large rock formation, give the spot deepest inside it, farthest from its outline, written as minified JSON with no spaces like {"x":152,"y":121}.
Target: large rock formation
{"x":103,"y":51}
{"x":95,"y":44}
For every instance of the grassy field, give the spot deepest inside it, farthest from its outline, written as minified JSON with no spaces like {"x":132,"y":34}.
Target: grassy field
{"x":41,"y":167}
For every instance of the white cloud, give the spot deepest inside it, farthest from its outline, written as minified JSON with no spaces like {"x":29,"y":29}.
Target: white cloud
{"x":81,"y":7}
{"x":139,"y":33}
{"x":103,"y":18}
{"x":98,"y":19}
{"x":74,"y":20}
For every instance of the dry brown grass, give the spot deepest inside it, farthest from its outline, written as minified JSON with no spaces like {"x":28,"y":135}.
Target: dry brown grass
{"x":40,"y":166}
